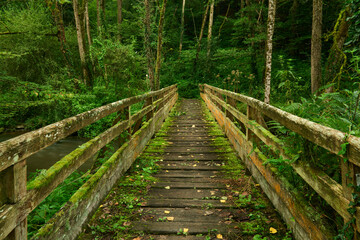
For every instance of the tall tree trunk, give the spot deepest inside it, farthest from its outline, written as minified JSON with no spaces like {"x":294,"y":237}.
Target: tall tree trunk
{"x":211,"y":19}
{"x":149,"y":55}
{"x":337,"y":59}
{"x":316,"y":46}
{"x":103,"y":7}
{"x":242,"y":4}
{"x":119,"y":16}
{"x":58,"y":18}
{"x":87,"y":21}
{"x":79,"y":17}
{"x":269,"y":47}
{"x":182,"y":26}
{"x":98,"y":16}
{"x":159,"y":46}
{"x":198,"y":47}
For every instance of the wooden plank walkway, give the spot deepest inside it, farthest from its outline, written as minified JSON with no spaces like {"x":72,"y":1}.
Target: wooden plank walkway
{"x":201,"y":191}
{"x":189,"y":186}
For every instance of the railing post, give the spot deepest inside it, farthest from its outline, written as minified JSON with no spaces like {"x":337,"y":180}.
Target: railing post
{"x":251,"y":115}
{"x":231,"y":102}
{"x":14,"y":188}
{"x":127,"y":114}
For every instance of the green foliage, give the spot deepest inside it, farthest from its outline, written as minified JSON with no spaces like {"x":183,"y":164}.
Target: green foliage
{"x":52,"y":204}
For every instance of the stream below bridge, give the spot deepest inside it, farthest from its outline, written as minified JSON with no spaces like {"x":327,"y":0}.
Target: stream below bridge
{"x":46,"y":157}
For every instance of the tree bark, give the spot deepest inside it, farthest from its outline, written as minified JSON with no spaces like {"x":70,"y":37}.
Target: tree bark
{"x":269,"y":47}
{"x":242,"y":4}
{"x":87,"y":21}
{"x":316,"y":46}
{"x":79,"y":17}
{"x":182,"y":26}
{"x":211,"y":19}
{"x":337,"y":59}
{"x":98,"y":16}
{"x":149,"y":54}
{"x":159,"y":46}
{"x":198,"y":47}
{"x":119,"y":17}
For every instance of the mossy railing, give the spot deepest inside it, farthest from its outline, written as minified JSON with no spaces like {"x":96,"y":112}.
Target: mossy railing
{"x":18,"y":197}
{"x":250,"y":132}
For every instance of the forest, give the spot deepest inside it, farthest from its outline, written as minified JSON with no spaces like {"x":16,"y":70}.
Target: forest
{"x":59,"y":58}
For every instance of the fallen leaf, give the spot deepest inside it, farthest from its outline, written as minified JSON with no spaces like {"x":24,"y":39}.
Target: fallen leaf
{"x":193,"y":126}
{"x":207,"y":213}
{"x":227,"y":222}
{"x":185,"y":230}
{"x":126,"y":224}
{"x":166,"y":171}
{"x":166,"y":212}
{"x":273,"y":230}
{"x":194,"y":165}
{"x":256,"y":185}
{"x":227,"y":185}
{"x":223,"y":201}
{"x":199,"y":191}
{"x":212,"y":192}
{"x":224,"y":198}
{"x":167,"y":187}
{"x":219,"y":236}
{"x":138,"y":238}
{"x":170,"y":218}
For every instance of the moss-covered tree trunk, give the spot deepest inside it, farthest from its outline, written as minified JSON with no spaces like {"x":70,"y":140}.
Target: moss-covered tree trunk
{"x":182,"y":26}
{"x":119,"y":17}
{"x":269,"y":47}
{"x":149,"y":52}
{"x":211,"y":20}
{"x":316,"y":46}
{"x":79,"y":9}
{"x":87,"y":21}
{"x":337,"y":59}
{"x":198,"y":47}
{"x":159,"y":46}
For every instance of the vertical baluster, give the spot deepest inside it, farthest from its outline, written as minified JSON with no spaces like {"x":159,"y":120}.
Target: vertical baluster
{"x":14,"y":183}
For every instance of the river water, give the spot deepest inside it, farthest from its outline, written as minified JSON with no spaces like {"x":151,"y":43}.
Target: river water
{"x":46,"y":157}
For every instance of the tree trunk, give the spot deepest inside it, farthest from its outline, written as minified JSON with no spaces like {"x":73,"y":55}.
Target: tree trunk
{"x":103,"y":10}
{"x":87,"y":21}
{"x":119,"y":16}
{"x":198,"y":47}
{"x":337,"y":59}
{"x":182,"y":26}
{"x":242,"y":4}
{"x":149,"y":55}
{"x":98,"y":16}
{"x":269,"y":47}
{"x":211,"y":19}
{"x":57,"y":15}
{"x":159,"y":46}
{"x":316,"y":46}
{"x":79,"y":17}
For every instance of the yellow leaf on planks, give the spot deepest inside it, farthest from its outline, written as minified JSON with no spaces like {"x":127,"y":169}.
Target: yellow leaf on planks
{"x":273,"y":230}
{"x":219,"y":236}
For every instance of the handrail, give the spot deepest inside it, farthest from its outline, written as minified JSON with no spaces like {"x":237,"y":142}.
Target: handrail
{"x":22,"y":198}
{"x":16,"y":149}
{"x":223,"y":104}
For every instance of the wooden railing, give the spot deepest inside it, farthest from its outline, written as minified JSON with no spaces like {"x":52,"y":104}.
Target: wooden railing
{"x":223,"y":104}
{"x":18,"y":198}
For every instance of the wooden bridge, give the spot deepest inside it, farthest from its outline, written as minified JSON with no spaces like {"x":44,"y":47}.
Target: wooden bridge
{"x":190,"y":164}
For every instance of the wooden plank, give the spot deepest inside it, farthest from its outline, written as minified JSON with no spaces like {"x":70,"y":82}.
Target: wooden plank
{"x":326,"y":137}
{"x":16,"y":149}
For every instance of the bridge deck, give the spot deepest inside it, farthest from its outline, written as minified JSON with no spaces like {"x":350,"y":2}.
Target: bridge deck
{"x":194,"y":195}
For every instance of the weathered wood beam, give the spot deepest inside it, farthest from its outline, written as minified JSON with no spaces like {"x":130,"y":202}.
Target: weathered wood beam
{"x":326,"y":187}
{"x":23,"y":146}
{"x":326,"y":137}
